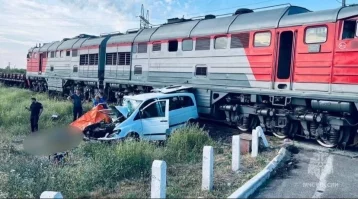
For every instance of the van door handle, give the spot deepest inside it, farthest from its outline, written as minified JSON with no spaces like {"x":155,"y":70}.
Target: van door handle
{"x":163,"y":120}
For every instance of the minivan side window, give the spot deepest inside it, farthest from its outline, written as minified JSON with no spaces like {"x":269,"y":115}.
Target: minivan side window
{"x":179,"y":102}
{"x":152,"y":111}
{"x":186,"y":101}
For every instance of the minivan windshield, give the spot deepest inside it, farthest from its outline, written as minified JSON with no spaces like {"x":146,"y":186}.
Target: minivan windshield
{"x":131,"y":104}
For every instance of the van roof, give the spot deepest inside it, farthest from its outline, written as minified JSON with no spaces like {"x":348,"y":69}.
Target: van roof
{"x":146,"y":96}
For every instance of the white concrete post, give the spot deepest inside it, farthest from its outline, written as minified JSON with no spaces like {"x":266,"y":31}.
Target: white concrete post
{"x":159,"y":179}
{"x":235,"y":163}
{"x":51,"y":194}
{"x":208,"y":168}
{"x":261,"y":135}
{"x":254,"y":143}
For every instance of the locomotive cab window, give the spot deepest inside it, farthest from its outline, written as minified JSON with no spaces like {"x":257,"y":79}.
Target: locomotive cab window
{"x":220,"y":42}
{"x":68,"y":53}
{"x":262,"y":39}
{"x":349,"y":29}
{"x":173,"y":46}
{"x":316,"y":35}
{"x":187,"y":45}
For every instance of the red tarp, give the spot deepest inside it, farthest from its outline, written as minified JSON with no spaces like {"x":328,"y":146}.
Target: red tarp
{"x":91,"y":117}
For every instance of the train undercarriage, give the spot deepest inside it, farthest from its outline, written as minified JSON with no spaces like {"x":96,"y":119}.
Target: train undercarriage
{"x":331,"y":123}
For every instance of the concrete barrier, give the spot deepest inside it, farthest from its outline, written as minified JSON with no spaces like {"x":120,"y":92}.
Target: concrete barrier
{"x":51,"y":195}
{"x":235,"y":162}
{"x":254,"y":183}
{"x":159,"y":179}
{"x":208,"y":168}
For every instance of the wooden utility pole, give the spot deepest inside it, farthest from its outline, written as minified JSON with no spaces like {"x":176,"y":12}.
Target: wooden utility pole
{"x":343,"y":3}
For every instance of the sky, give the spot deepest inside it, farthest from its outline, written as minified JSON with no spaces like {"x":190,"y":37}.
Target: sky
{"x":25,"y":23}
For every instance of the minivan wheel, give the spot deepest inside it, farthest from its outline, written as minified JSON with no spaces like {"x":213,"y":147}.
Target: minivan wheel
{"x":192,"y":122}
{"x":133,"y":137}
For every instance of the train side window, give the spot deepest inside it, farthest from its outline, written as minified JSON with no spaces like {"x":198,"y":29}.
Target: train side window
{"x":187,"y":45}
{"x":349,"y":29}
{"x":316,"y":35}
{"x":68,"y":53}
{"x":84,"y":59}
{"x":202,"y":44}
{"x":241,"y":40}
{"x":52,"y":54}
{"x":173,"y":46}
{"x":201,"y":70}
{"x":142,"y":47}
{"x":128,"y":59}
{"x":157,"y":47}
{"x":220,"y":42}
{"x":109,"y":58}
{"x":121,"y":59}
{"x":137,"y":70}
{"x":74,"y":53}
{"x":93,"y":59}
{"x":262,"y":39}
{"x":75,"y":69}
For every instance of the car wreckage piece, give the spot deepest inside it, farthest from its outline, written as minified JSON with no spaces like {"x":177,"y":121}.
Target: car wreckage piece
{"x":98,"y":121}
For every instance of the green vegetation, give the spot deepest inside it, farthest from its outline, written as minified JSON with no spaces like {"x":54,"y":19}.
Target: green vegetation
{"x":14,"y":70}
{"x":107,"y":170}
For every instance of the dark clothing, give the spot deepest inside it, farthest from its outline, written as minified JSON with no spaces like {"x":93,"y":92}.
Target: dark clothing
{"x":34,"y":120}
{"x":77,"y":113}
{"x":35,"y":108}
{"x":77,"y":100}
{"x":102,"y":100}
{"x":77,"y":106}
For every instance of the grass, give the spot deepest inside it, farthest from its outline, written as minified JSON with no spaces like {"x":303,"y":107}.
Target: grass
{"x":108,"y":170}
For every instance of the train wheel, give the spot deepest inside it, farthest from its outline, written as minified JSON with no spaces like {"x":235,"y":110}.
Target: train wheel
{"x":330,"y":140}
{"x":288,"y":131}
{"x":240,"y":123}
{"x":278,"y":133}
{"x":325,"y":143}
{"x":247,"y":123}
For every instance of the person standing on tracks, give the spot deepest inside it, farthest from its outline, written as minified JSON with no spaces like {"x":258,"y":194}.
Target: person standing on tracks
{"x":77,"y":100}
{"x":36,"y":109}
